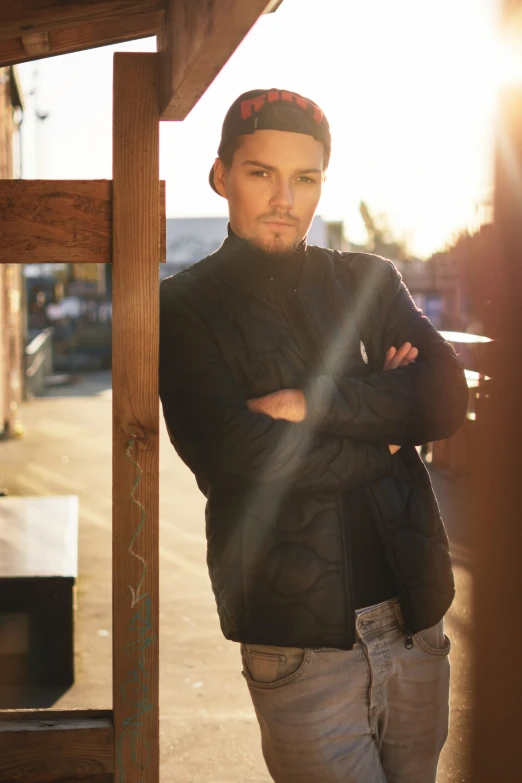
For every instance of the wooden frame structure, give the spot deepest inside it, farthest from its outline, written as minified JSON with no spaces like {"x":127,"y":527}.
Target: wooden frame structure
{"x":122,"y":222}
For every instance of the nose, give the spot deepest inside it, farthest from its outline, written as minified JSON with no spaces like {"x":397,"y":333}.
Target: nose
{"x":283,"y":197}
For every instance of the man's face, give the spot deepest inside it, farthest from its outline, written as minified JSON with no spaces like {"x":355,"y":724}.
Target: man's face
{"x":272,"y":187}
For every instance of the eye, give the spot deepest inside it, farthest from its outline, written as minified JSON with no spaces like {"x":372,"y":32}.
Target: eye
{"x":259,"y":173}
{"x":307,"y":180}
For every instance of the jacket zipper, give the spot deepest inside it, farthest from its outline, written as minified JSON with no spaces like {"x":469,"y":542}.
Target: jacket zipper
{"x":298,"y":333}
{"x":391,"y":560}
{"x":348,"y":580}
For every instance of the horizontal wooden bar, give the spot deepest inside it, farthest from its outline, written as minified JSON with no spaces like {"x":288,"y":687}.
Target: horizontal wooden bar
{"x":44,"y":746}
{"x":60,"y":221}
{"x":23,"y":16}
{"x":54,"y":715}
{"x":81,"y":37}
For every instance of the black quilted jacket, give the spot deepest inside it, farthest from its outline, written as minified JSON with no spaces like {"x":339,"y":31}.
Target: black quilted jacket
{"x":275,"y":514}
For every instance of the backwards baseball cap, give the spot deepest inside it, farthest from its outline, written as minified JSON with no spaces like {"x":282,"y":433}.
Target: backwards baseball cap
{"x":273,"y":110}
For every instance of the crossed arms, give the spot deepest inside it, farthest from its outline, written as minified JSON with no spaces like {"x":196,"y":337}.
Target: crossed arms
{"x":291,"y":405}
{"x":343,"y":440}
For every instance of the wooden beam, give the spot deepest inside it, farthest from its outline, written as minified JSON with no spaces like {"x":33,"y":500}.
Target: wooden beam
{"x":60,"y":221}
{"x":19,"y":17}
{"x":494,"y":503}
{"x":84,"y":36}
{"x":135,"y":453}
{"x":36,"y":44}
{"x":54,"y":715}
{"x":273,"y":6}
{"x":44,"y":745}
{"x":195,"y":42}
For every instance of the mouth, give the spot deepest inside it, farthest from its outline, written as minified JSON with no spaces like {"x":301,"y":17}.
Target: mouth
{"x":279,"y":223}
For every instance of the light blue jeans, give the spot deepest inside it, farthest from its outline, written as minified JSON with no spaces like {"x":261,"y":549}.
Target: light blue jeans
{"x":376,"y":714}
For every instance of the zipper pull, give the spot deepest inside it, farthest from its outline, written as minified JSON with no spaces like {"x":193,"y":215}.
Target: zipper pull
{"x":409,"y":641}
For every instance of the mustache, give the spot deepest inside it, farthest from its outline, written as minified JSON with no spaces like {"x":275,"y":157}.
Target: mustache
{"x":284,"y":217}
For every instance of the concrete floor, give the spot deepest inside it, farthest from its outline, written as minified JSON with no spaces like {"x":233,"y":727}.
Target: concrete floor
{"x":208,"y":729}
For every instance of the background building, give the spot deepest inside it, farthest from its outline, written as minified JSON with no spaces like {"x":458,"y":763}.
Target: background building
{"x":191,"y":239}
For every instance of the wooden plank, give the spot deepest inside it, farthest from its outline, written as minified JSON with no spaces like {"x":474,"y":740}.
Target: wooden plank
{"x":55,"y":221}
{"x":494,"y":503}
{"x":85,"y":36}
{"x":273,"y":5}
{"x":43,"y":750}
{"x":195,"y":42}
{"x":60,"y":221}
{"x":22,"y":16}
{"x":163,"y":223}
{"x":54,"y":715}
{"x":135,"y":463}
{"x":36,"y":44}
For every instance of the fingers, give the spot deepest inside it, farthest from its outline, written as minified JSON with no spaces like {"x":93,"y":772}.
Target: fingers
{"x":390,"y":354}
{"x":397,"y":358}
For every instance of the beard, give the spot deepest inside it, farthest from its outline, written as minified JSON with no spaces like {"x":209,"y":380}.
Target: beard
{"x":275,"y":244}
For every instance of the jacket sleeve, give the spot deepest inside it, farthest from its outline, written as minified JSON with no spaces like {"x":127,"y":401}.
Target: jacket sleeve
{"x":216,"y":435}
{"x":411,"y":405}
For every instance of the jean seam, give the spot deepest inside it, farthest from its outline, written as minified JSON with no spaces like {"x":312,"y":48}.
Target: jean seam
{"x":263,"y":686}
{"x":432,"y":650}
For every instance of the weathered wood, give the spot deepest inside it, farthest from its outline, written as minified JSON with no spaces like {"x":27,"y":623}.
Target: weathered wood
{"x":84,"y":36}
{"x":54,"y":749}
{"x":494,"y":504}
{"x":60,"y":221}
{"x":54,"y":715}
{"x":135,"y":342}
{"x":36,"y":44}
{"x":195,"y":42}
{"x":273,"y":5}
{"x":21,"y":16}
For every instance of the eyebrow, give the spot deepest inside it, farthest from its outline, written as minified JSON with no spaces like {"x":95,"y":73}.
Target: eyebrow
{"x":273,"y":168}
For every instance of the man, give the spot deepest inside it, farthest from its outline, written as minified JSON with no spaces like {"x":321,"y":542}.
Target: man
{"x":296,"y":382}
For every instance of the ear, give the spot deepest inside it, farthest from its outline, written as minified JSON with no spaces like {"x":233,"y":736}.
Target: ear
{"x":220,"y":177}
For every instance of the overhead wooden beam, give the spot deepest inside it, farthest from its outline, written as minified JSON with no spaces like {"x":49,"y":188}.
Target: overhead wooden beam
{"x":60,"y":221}
{"x":36,"y":44}
{"x":135,"y":407}
{"x":38,"y":746}
{"x":195,"y":42}
{"x":19,"y":17}
{"x":273,"y":6}
{"x":85,"y":36}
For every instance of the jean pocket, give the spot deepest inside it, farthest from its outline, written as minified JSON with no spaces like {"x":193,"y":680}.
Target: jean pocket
{"x":433,"y":640}
{"x":272,"y":667}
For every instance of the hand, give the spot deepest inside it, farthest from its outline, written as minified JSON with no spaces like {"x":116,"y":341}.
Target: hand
{"x":400,"y":358}
{"x":288,"y":404}
{"x":394,"y":449}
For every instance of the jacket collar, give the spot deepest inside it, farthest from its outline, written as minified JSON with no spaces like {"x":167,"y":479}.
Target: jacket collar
{"x":232,"y":262}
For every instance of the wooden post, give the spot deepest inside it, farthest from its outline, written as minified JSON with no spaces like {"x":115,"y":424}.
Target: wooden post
{"x":136,"y":252}
{"x":497,"y":465}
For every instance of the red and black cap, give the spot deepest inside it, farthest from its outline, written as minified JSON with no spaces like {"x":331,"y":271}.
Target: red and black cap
{"x":273,"y":110}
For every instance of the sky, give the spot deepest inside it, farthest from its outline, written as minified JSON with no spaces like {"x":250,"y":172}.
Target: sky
{"x":409,"y":89}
